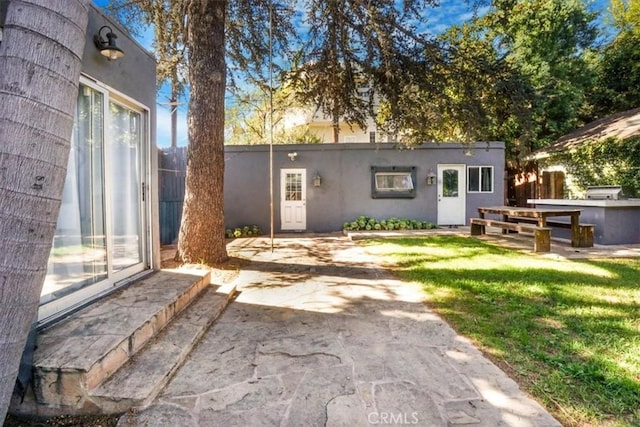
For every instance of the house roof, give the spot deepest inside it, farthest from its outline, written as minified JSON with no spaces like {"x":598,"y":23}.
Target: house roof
{"x":620,"y":125}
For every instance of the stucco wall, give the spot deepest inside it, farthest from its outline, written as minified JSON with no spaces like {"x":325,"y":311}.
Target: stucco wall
{"x":345,"y":192}
{"x":133,"y":75}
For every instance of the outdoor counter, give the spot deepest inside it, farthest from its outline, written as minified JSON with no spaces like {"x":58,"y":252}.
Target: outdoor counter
{"x":617,"y":222}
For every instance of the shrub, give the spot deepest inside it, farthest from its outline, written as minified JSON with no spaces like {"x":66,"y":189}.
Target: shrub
{"x":245,"y":231}
{"x":368,"y":223}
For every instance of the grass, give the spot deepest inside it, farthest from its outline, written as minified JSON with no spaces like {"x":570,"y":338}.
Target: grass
{"x":567,"y":331}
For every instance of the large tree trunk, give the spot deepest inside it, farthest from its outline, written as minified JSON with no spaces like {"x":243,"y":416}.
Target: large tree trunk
{"x":202,"y":238}
{"x":40,"y":57}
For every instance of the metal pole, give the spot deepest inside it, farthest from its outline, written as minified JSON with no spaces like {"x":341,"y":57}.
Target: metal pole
{"x":271,"y":120}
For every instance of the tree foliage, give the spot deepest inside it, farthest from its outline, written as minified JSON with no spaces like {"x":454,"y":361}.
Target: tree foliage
{"x":248,"y":119}
{"x":470,"y":93}
{"x":247,"y":26}
{"x":518,"y":73}
{"x":626,"y":15}
{"x":547,"y":41}
{"x":353,"y":44}
{"x":617,"y":87}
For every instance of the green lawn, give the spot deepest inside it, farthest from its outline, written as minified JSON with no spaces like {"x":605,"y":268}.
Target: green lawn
{"x":567,"y":331}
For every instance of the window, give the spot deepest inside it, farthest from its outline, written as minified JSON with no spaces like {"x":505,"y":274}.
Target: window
{"x":393,"y":182}
{"x":372,"y":137}
{"x":349,"y":139}
{"x":480,"y":179}
{"x":293,"y":186}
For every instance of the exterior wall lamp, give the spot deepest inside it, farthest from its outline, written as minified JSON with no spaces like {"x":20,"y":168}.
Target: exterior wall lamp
{"x":431,"y":177}
{"x":292,"y":156}
{"x":108,"y":47}
{"x":316,"y":180}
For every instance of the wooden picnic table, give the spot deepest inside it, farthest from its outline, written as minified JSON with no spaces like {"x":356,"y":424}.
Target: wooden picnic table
{"x":511,"y":213}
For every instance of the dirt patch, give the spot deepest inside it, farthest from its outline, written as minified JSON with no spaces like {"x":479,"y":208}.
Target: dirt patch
{"x":221,"y":273}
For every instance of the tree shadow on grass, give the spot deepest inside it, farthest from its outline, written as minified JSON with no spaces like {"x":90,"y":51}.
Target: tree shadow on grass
{"x":562,"y":333}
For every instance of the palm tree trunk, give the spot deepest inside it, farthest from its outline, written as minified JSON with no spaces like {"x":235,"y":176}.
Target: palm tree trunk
{"x":40,"y":62}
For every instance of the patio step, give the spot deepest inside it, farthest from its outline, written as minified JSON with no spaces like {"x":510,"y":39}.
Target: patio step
{"x":145,"y":375}
{"x":78,"y":355}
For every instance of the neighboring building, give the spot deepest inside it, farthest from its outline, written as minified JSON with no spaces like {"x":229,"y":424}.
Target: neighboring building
{"x":107,"y":231}
{"x":318,"y":187}
{"x":554,"y":177}
{"x":320,"y":124}
{"x":606,"y":160}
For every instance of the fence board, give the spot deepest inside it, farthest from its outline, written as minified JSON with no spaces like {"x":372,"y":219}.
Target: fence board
{"x":172,"y":170}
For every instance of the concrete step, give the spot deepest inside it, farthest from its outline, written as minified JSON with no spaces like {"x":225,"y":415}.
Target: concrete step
{"x":79,"y":353}
{"x":138,"y":382}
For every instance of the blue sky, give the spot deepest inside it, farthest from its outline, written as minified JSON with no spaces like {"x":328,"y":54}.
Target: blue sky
{"x":440,"y":18}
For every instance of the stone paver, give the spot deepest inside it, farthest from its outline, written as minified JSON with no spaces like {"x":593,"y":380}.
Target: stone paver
{"x":320,"y":335}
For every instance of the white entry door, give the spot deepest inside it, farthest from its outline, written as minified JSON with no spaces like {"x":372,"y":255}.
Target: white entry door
{"x":451,"y":195}
{"x":293,"y":199}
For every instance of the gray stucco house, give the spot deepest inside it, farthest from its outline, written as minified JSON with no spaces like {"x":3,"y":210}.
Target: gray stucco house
{"x":318,"y":187}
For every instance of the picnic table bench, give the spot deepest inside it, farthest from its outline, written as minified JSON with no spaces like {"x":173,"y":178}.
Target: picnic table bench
{"x":536,"y":221}
{"x":541,"y":235}
{"x":584,"y":232}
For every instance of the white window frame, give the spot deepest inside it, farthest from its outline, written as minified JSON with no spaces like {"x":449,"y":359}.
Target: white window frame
{"x":480,"y":182}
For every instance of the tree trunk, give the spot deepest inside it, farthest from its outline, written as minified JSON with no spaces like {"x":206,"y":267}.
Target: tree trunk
{"x":40,"y":57}
{"x":202,"y":238}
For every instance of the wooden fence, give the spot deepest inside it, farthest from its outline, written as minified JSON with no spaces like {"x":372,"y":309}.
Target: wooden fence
{"x":172,"y":169}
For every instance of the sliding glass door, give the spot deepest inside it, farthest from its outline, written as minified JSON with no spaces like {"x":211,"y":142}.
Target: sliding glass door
{"x":126,"y":187}
{"x":100,"y":238}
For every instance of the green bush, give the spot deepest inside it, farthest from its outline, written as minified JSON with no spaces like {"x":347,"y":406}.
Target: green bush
{"x":246,"y":231}
{"x":368,"y":223}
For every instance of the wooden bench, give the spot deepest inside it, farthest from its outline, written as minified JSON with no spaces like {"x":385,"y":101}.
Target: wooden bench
{"x":584,"y":238}
{"x":541,"y":235}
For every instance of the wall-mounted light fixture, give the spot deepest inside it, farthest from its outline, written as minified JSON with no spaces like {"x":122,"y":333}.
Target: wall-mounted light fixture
{"x":468,"y":151}
{"x":316,"y":180}
{"x":108,"y":47}
{"x":431,"y":177}
{"x":292,"y":156}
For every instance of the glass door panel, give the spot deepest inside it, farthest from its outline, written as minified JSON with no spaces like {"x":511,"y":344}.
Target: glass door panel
{"x":293,"y":186}
{"x":99,"y":239}
{"x":125,"y":187}
{"x":450,"y":183}
{"x":78,"y":256}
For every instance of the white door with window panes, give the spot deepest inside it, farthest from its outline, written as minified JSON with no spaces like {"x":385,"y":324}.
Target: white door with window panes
{"x":451,"y":195}
{"x":293,"y":199}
